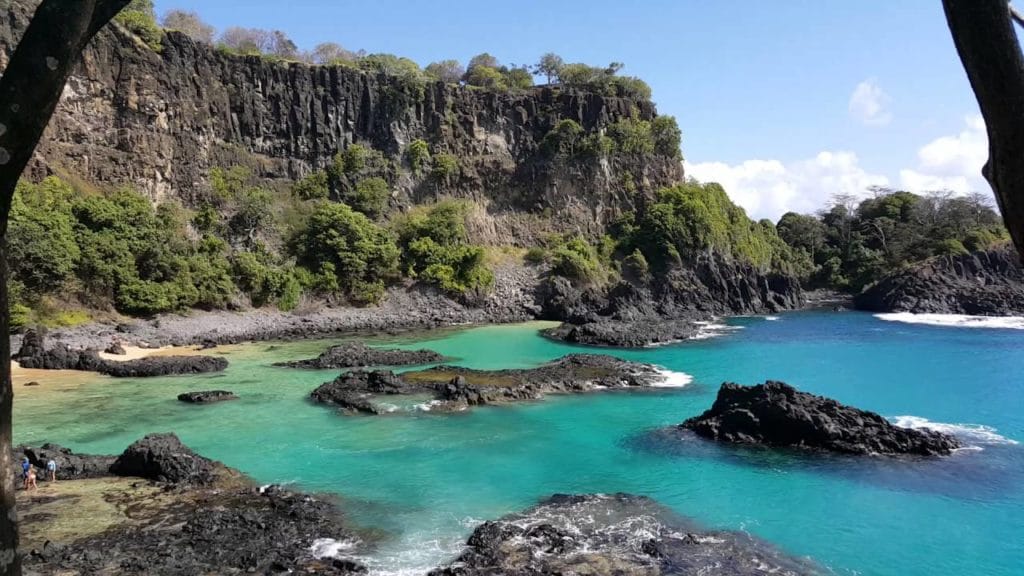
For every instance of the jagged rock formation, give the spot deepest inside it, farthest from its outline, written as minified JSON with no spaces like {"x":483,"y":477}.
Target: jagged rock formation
{"x":776,"y":414}
{"x":357,"y":354}
{"x":70,"y":466}
{"x":161,"y":120}
{"x":162,"y":457}
{"x":455,"y":387}
{"x":613,"y":534}
{"x":665,"y":309}
{"x":984,"y":283}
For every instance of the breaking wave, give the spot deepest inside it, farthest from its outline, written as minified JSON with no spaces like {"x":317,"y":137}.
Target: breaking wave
{"x":672,"y":379}
{"x":975,"y":435}
{"x":955,"y":320}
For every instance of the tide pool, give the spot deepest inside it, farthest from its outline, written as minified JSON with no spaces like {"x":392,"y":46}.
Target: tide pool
{"x":427,"y":479}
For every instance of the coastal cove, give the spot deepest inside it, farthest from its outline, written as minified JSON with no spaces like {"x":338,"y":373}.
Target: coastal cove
{"x":426,"y":480}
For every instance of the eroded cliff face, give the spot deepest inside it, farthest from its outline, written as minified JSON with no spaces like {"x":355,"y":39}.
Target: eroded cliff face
{"x":161,"y":120}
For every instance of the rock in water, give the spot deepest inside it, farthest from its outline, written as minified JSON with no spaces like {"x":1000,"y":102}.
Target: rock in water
{"x":207,"y":396}
{"x":776,"y":414}
{"x":357,"y":354}
{"x":613,"y":534}
{"x":163,"y":458}
{"x":985,"y":283}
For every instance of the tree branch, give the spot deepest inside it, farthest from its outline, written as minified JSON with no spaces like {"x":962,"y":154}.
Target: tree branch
{"x":987,"y":43}
{"x":30,"y":90}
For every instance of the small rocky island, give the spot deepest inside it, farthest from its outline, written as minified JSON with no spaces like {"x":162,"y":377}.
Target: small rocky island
{"x":455,"y":388}
{"x":776,"y":414}
{"x":198,"y":517}
{"x":357,"y":354}
{"x":36,"y":352}
{"x":613,"y":534}
{"x":207,"y":396}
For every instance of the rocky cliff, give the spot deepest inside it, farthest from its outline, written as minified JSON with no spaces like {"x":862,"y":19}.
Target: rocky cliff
{"x":984,"y":283}
{"x":160,"y":120}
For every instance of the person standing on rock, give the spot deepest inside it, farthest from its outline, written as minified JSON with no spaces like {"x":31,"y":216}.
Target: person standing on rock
{"x":30,"y":481}
{"x":51,"y":467}
{"x":25,"y":466}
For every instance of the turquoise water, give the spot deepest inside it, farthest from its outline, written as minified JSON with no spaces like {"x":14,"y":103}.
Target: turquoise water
{"x":427,"y":479}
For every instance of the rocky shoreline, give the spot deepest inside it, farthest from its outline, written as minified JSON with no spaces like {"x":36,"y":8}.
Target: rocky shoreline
{"x":613,"y":534}
{"x":357,"y":355}
{"x":456,"y":388}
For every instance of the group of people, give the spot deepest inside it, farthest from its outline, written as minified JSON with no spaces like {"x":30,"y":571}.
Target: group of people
{"x":28,"y":473}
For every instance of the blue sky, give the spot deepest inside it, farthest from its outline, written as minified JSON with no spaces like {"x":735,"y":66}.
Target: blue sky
{"x":784,"y":102}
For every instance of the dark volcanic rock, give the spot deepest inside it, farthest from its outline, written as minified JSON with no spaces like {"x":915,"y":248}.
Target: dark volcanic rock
{"x":664,"y":309}
{"x":268,"y":531}
{"x":70,"y":466}
{"x":162,"y":457}
{"x":458,"y":387}
{"x":776,"y":414}
{"x":986,"y":283}
{"x":357,"y":354}
{"x":207,"y":396}
{"x":613,"y":534}
{"x":116,"y":349}
{"x":35,"y":353}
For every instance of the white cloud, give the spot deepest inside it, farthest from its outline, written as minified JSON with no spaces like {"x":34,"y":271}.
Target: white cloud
{"x":869,"y":104}
{"x":951,"y":162}
{"x":770,"y":188}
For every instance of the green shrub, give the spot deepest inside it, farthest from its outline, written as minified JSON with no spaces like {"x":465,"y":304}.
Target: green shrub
{"x":950,"y":247}
{"x":446,"y":168}
{"x":434,"y":248}
{"x":536,"y":255}
{"x":562,"y":140}
{"x":371,"y":197}
{"x":635,"y":266}
{"x":352,"y":252}
{"x":418,"y":155}
{"x":140,"y":18}
{"x":145,"y":298}
{"x":632,"y":136}
{"x":667,"y":136}
{"x":312,"y":187}
{"x":43,"y":252}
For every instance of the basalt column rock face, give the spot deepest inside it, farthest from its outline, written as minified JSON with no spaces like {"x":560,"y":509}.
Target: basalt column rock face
{"x":161,"y":120}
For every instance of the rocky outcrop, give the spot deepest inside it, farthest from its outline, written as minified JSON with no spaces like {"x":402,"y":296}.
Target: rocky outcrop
{"x":207,"y":396}
{"x":163,"y":458}
{"x":161,"y":120}
{"x":455,"y":387}
{"x":985,"y":283}
{"x":776,"y":414}
{"x":666,"y":309}
{"x":232,"y":531}
{"x":70,"y":466}
{"x":116,"y":349}
{"x":613,"y":534}
{"x":357,"y":354}
{"x":36,"y":353}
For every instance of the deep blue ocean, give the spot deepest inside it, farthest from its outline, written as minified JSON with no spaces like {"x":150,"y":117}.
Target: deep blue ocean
{"x":425,"y":480}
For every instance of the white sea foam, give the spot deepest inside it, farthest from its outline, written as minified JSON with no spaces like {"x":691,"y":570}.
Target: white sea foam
{"x":672,"y":379}
{"x":428,"y":406}
{"x":771,"y":318}
{"x":713,"y":330}
{"x":976,"y":435}
{"x":956,"y":320}
{"x":329,"y":548}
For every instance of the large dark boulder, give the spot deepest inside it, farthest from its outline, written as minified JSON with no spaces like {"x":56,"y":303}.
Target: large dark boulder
{"x":351,"y":391}
{"x":984,"y":283}
{"x":776,"y":414}
{"x":207,"y":396}
{"x":163,"y":458}
{"x":600,"y":534}
{"x":70,"y":466}
{"x":357,"y":354}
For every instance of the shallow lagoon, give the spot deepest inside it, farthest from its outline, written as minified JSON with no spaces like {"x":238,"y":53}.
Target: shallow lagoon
{"x":427,"y":479}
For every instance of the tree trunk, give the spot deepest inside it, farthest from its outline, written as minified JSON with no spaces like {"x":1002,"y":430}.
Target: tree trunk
{"x":30,"y":89}
{"x":987,"y":43}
